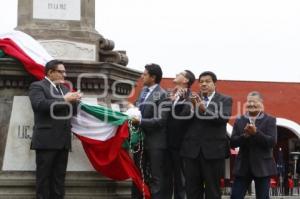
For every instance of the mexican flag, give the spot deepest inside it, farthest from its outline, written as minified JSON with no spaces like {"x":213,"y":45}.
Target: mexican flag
{"x":101,"y":130}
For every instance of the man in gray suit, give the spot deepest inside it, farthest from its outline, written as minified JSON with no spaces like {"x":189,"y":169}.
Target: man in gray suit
{"x":256,"y":135}
{"x":152,"y":103}
{"x":52,"y":105}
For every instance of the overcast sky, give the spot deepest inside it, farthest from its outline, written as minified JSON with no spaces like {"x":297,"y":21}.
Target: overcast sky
{"x":237,"y":39}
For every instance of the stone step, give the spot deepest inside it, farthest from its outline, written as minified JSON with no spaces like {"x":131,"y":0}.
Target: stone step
{"x":68,"y":196}
{"x":79,"y":185}
{"x":271,"y":197}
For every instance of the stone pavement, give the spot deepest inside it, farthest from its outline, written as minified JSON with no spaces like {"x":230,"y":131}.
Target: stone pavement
{"x":271,"y":197}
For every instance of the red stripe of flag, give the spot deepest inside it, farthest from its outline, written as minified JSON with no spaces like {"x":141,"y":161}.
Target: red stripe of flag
{"x":10,"y":48}
{"x":110,"y":159}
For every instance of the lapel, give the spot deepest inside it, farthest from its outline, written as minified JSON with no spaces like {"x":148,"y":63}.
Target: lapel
{"x":150,"y":98}
{"x":260,"y":119}
{"x":53,"y":92}
{"x":214,"y":101}
{"x":64,"y":89}
{"x":153,"y":94}
{"x":245,"y":121}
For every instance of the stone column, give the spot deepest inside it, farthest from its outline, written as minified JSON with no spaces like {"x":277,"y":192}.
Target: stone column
{"x":66,"y":28}
{"x":72,"y":20}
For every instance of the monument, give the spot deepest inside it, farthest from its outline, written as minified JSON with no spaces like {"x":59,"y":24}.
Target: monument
{"x":66,"y":28}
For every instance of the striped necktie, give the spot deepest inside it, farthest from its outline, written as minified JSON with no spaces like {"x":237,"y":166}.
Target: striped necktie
{"x":59,"y":89}
{"x":143,"y":98}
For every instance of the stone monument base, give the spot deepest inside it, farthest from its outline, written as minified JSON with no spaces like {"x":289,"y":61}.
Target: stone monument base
{"x":81,"y":183}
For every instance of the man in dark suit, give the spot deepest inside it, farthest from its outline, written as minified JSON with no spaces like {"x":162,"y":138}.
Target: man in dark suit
{"x":152,"y":103}
{"x":205,"y":145}
{"x":256,"y":135}
{"x":52,"y":107}
{"x":177,"y":123}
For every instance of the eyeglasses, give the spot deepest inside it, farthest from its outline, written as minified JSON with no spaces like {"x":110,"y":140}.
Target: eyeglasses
{"x":60,"y":71}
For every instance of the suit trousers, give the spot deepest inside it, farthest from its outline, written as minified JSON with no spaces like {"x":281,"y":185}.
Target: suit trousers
{"x":153,"y":166}
{"x":51,"y":168}
{"x":175,"y":180}
{"x":241,"y":184}
{"x":203,"y":177}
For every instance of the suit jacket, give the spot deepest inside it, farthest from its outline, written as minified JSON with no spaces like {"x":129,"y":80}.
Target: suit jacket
{"x":48,"y":132}
{"x":177,"y":123}
{"x":256,"y":152}
{"x":207,"y":131}
{"x":154,"y":116}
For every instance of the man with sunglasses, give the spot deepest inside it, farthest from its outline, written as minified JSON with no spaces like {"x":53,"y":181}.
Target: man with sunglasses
{"x":53,"y":106}
{"x":177,"y":123}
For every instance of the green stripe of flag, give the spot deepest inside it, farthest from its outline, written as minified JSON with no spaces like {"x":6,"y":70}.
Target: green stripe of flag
{"x":105,"y":114}
{"x":116,"y":118}
{"x":2,"y":54}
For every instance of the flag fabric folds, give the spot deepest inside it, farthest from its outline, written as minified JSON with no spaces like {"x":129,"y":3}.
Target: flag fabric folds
{"x":101,"y":130}
{"x":27,"y":50}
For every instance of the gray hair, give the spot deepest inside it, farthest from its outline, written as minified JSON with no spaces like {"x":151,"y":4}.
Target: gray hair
{"x":256,"y":94}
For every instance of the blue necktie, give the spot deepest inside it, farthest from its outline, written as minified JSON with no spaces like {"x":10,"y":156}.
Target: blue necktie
{"x":205,"y":98}
{"x":143,"y":98}
{"x":144,"y":95}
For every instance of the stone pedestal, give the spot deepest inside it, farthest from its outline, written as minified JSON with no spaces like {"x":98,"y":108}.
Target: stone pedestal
{"x":66,"y":28}
{"x":107,"y":83}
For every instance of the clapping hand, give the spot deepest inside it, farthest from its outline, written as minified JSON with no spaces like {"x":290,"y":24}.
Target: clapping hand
{"x":72,"y":96}
{"x":198,"y":102}
{"x":178,"y":92}
{"x":135,"y":121}
{"x":250,"y":129}
{"x":181,"y":92}
{"x":195,"y":99}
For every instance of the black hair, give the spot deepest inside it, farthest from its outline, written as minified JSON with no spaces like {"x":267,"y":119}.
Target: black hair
{"x":190,"y":76}
{"x":154,"y":70}
{"x":209,"y":73}
{"x":256,"y":94}
{"x":52,"y":65}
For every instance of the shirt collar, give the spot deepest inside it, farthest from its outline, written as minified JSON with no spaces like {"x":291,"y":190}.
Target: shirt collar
{"x":151,"y":88}
{"x":258,"y":116}
{"x":211,"y":96}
